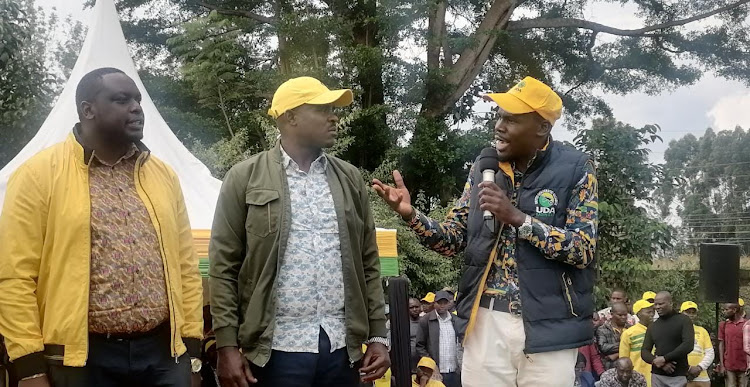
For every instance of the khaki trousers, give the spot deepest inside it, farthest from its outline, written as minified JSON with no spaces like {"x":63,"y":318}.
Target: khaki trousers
{"x":493,"y":356}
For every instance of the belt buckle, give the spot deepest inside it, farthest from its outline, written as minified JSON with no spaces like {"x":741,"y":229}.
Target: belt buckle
{"x":514,"y":307}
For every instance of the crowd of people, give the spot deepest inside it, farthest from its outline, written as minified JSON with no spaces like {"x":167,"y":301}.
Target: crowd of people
{"x":649,"y":343}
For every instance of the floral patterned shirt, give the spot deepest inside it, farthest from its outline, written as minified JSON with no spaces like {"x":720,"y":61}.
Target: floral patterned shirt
{"x":574,"y":244}
{"x":609,"y":379}
{"x":128,"y":292}
{"x":310,"y":286}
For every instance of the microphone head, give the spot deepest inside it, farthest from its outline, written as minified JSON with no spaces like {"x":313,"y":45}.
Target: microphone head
{"x":488,"y":159}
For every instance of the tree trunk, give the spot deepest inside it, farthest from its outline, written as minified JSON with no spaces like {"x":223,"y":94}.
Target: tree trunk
{"x":445,"y":86}
{"x":371,"y":136}
{"x":283,"y":53}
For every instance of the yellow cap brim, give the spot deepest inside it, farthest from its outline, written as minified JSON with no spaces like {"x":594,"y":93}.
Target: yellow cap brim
{"x":337,"y":98}
{"x":509,"y":103}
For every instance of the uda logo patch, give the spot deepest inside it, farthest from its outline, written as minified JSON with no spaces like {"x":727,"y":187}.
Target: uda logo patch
{"x":545,"y":201}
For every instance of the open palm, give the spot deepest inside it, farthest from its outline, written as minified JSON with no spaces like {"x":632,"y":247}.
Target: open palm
{"x":398,"y":197}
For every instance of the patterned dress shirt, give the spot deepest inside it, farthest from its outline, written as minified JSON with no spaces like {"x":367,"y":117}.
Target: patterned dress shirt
{"x":574,"y":244}
{"x":128,"y":291}
{"x":311,"y":279}
{"x":609,"y":379}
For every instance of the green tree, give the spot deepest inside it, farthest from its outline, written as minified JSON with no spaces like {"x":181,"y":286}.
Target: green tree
{"x":630,"y":236}
{"x":26,"y":86}
{"x":707,"y":182}
{"x":362,"y":43}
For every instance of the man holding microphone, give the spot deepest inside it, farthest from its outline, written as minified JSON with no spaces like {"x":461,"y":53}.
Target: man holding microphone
{"x":525,"y":299}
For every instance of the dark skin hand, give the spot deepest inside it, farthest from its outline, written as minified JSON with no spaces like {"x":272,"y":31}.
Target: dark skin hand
{"x":694,"y":371}
{"x":36,"y":382}
{"x":493,"y":199}
{"x":669,"y":368}
{"x":233,"y":369}
{"x":659,"y":362}
{"x":375,"y":363}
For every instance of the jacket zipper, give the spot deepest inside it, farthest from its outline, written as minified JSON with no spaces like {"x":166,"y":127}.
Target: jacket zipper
{"x":172,"y":323}
{"x":566,"y":283}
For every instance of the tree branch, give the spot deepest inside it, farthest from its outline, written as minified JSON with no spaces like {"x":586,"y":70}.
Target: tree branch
{"x":589,"y":65}
{"x":235,"y":12}
{"x":597,"y":27}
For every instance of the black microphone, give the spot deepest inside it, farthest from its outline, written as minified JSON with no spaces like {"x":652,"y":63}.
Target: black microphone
{"x":489,"y":164}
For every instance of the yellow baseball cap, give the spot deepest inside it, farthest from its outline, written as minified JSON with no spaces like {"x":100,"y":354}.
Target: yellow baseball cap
{"x":306,"y":90}
{"x":530,"y":95}
{"x":429,"y":297}
{"x":641,"y":304}
{"x":688,"y":305}
{"x":427,"y":362}
{"x":648,"y":295}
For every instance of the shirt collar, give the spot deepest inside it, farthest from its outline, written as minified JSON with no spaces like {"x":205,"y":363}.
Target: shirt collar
{"x":86,"y":154}
{"x":509,"y":168}
{"x":287,"y":161}
{"x":133,"y":151}
{"x":444,"y":319}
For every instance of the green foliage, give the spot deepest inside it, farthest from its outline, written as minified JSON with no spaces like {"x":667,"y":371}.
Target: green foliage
{"x":426,"y":270}
{"x":26,"y":85}
{"x":437,"y":158}
{"x":708,"y":182}
{"x":629,"y":237}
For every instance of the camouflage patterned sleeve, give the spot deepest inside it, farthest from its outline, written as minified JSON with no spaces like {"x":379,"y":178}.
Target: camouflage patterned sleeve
{"x":574,"y":244}
{"x":448,"y":237}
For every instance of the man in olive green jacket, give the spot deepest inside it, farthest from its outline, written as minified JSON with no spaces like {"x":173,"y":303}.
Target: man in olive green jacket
{"x":295,"y":277}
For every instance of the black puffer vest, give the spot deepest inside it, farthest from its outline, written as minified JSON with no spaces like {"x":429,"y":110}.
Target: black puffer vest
{"x":557,"y":298}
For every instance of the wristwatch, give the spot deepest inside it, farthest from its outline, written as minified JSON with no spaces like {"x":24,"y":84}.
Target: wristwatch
{"x":524,"y":231}
{"x":195,"y":365}
{"x":380,"y":340}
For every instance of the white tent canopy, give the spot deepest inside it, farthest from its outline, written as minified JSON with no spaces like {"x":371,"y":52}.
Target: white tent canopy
{"x":105,"y":46}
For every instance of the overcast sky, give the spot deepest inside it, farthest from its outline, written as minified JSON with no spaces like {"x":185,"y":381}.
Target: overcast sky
{"x":711,"y":102}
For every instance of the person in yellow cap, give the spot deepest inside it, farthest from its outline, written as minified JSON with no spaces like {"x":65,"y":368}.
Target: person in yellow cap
{"x":526,"y":291}
{"x":631,"y":339}
{"x":295,"y":274}
{"x":649,"y":296}
{"x":427,"y":374}
{"x":703,"y":351}
{"x":428,"y":303}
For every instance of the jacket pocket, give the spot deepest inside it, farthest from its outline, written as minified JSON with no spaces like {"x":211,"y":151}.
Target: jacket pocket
{"x":569,"y":294}
{"x":262,"y":212}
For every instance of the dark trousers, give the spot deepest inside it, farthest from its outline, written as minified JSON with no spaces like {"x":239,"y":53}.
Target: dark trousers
{"x":452,"y":379}
{"x":322,"y":369}
{"x":144,"y":361}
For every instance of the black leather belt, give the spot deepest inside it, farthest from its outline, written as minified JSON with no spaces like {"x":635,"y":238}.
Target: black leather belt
{"x":500,"y":304}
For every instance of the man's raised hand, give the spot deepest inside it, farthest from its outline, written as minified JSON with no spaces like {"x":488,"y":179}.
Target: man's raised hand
{"x":398,"y":197}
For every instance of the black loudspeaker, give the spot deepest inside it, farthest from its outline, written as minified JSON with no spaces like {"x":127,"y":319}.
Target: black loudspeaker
{"x":720,"y":272}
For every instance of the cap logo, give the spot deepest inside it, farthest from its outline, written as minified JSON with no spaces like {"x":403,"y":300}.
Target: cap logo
{"x":545,"y":200}
{"x":519,"y":86}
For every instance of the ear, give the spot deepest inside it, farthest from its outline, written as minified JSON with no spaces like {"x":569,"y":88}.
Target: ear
{"x":291,"y":117}
{"x":544,"y":128}
{"x":87,"y":110}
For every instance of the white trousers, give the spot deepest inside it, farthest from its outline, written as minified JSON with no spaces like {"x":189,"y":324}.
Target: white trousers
{"x":493,"y":356}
